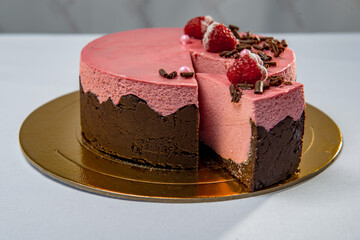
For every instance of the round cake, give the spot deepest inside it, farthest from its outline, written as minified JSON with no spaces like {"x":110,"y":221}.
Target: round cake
{"x":152,"y":95}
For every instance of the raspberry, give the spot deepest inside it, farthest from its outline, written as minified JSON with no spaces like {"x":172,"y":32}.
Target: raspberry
{"x":197,"y":26}
{"x":247,"y":68}
{"x":218,"y":38}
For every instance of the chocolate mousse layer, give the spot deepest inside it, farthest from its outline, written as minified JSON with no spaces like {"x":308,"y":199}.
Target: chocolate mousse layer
{"x":134,"y":131}
{"x":274,"y":156}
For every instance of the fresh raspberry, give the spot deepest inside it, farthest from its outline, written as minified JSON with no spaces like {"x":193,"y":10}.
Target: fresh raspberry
{"x":218,"y":38}
{"x":197,"y":26}
{"x":247,"y":68}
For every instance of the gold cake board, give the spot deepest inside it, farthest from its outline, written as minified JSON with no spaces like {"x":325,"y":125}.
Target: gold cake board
{"x":51,"y":140}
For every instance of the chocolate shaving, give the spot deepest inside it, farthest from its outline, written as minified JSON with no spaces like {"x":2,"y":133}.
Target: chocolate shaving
{"x":284,"y":43}
{"x":276,"y":80}
{"x":270,"y":63}
{"x":236,"y":34}
{"x":288,"y":83}
{"x":232,"y":89}
{"x":187,"y":74}
{"x":266,"y":46}
{"x":248,"y":41}
{"x":228,"y":54}
{"x":258,"y":47}
{"x":237,"y":95}
{"x":263,"y":56}
{"x":172,"y":75}
{"x":233,"y":27}
{"x":241,"y":47}
{"x":259,"y":87}
{"x":163,"y":73}
{"x":266,"y":38}
{"x":245,"y":86}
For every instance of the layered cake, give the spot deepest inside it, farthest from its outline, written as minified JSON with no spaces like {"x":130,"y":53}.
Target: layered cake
{"x":151,"y":95}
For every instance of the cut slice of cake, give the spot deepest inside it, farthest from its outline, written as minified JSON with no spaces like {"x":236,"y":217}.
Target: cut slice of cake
{"x":258,"y":139}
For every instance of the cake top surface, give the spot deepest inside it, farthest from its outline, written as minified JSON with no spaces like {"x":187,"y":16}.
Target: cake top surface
{"x":139,"y":54}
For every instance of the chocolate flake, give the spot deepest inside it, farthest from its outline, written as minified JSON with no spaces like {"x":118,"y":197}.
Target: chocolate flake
{"x":276,"y":80}
{"x":233,"y":27}
{"x":270,"y":63}
{"x":259,"y":87}
{"x":248,"y":41}
{"x":288,"y":83}
{"x":228,"y":54}
{"x":241,"y":47}
{"x":237,"y":95}
{"x":232,"y":89}
{"x":245,"y":86}
{"x":258,"y":47}
{"x":163,"y":73}
{"x":172,"y":75}
{"x":187,"y":74}
{"x":263,"y":56}
{"x":284,"y":43}
{"x":266,"y":46}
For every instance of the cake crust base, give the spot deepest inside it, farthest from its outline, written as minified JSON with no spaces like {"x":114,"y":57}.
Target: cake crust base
{"x":133,"y":131}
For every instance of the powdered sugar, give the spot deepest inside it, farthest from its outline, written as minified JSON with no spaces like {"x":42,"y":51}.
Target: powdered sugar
{"x":206,"y":38}
{"x":205,"y":23}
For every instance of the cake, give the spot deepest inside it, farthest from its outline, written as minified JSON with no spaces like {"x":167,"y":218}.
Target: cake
{"x":136,"y":105}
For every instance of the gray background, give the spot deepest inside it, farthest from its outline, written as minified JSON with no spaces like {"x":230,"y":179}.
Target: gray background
{"x":104,"y":16}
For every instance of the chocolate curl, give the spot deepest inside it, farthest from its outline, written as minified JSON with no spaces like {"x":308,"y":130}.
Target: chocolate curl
{"x":232,"y":89}
{"x":237,"y":95}
{"x":259,"y":87}
{"x":245,"y":86}
{"x":187,"y":74}
{"x":172,"y":75}
{"x":163,"y":73}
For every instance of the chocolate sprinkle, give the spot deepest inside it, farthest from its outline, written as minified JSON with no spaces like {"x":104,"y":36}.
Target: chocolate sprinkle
{"x":275,"y":81}
{"x":187,"y":74}
{"x":237,"y":95}
{"x":259,"y":86}
{"x":245,"y":86}
{"x":270,"y":63}
{"x":284,"y":43}
{"x":172,"y":75}
{"x":233,"y":27}
{"x":232,"y":89}
{"x":163,"y":73}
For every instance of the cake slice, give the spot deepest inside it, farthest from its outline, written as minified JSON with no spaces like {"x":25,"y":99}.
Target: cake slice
{"x":258,"y":139}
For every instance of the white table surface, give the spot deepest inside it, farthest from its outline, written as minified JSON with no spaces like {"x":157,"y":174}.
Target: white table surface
{"x":35,"y":69}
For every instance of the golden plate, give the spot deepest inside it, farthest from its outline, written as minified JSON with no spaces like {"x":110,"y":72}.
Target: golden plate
{"x":51,"y":141}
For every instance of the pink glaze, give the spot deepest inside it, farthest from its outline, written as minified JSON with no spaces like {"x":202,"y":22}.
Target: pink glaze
{"x":225,"y":126}
{"x":121,"y":63}
{"x":206,"y":62}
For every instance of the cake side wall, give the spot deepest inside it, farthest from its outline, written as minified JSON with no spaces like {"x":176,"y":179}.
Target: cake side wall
{"x":132,"y":130}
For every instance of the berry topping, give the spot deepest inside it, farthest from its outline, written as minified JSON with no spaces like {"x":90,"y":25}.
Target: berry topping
{"x":218,"y":38}
{"x":197,"y":26}
{"x":247,"y":68}
{"x":185,"y":39}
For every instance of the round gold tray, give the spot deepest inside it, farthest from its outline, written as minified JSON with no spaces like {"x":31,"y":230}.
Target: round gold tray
{"x":51,"y":141}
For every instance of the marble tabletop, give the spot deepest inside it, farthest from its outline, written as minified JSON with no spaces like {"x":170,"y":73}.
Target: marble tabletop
{"x":36,"y":68}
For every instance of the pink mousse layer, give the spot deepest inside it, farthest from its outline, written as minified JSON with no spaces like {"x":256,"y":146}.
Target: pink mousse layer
{"x":206,"y":62}
{"x":225,"y":126}
{"x":128,"y":63}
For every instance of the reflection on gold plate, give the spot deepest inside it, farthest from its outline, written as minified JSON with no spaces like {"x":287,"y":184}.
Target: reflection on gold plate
{"x":51,"y":141}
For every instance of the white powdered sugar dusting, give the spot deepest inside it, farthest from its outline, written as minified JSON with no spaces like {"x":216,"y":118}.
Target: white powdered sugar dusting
{"x":205,"y":23}
{"x":205,"y":40}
